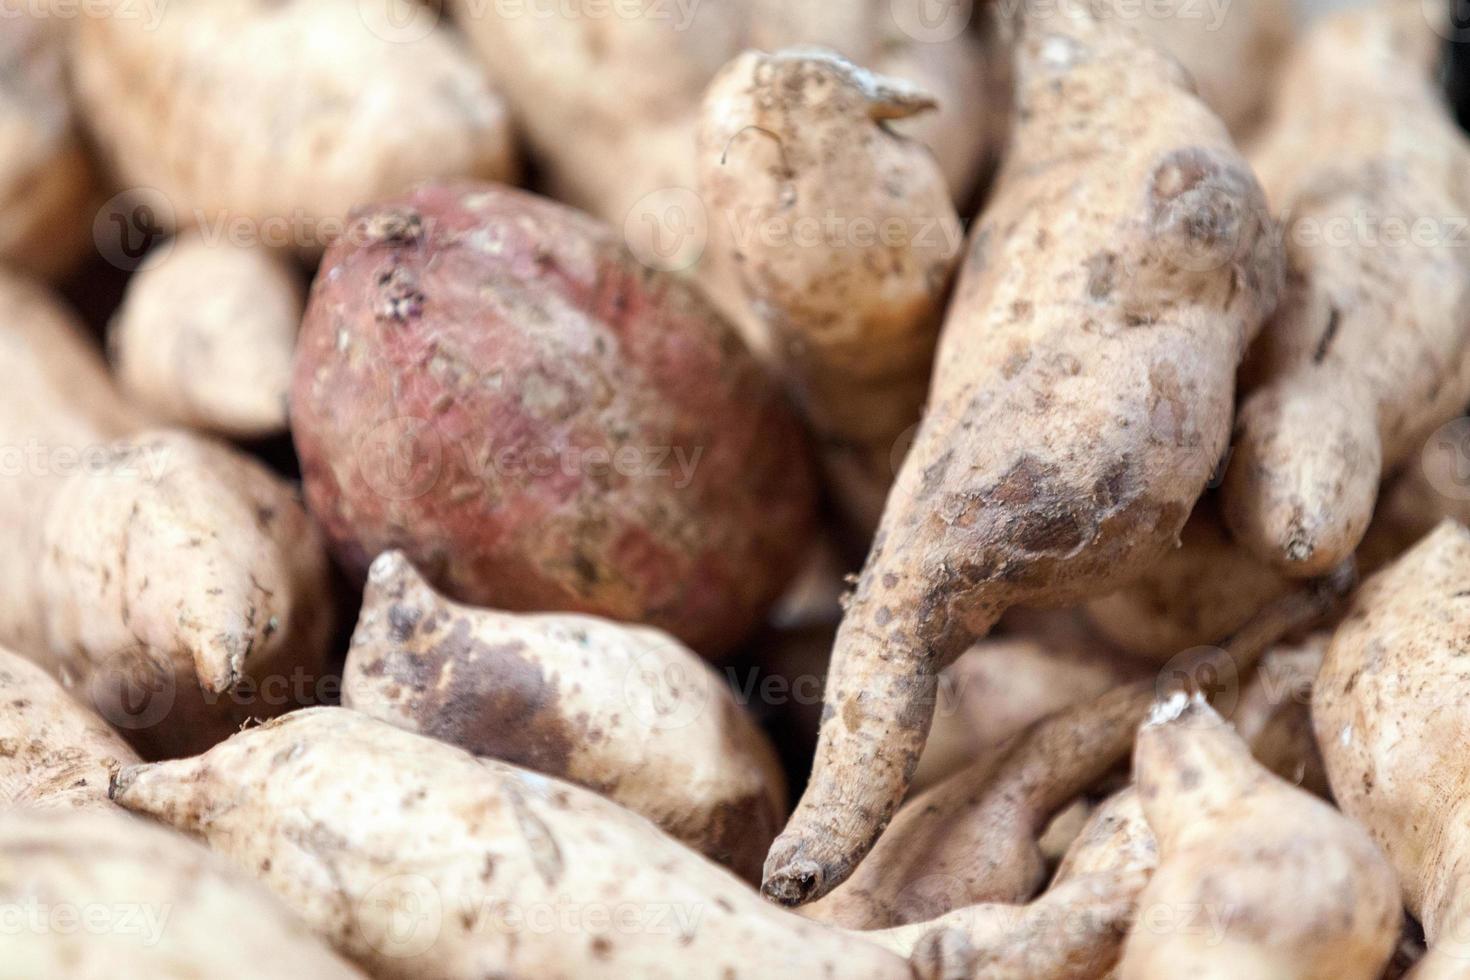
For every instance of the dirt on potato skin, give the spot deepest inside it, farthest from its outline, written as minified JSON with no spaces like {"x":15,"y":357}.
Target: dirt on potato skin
{"x":492,"y":383}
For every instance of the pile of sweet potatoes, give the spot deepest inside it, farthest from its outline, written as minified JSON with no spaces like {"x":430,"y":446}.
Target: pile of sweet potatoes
{"x":469,"y":467}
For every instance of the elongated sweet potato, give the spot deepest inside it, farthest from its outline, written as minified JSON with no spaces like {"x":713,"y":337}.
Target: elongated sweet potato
{"x":1391,"y":710}
{"x":514,"y":873}
{"x":626,"y":711}
{"x":162,"y":577}
{"x":1072,"y":931}
{"x":1082,"y":397}
{"x":1292,"y":887}
{"x":974,"y":836}
{"x":206,"y":334}
{"x":1043,"y":662}
{"x":491,"y":383}
{"x":1367,"y":355}
{"x":275,"y":119}
{"x":106,"y":895}
{"x":54,"y":753}
{"x":845,"y":241}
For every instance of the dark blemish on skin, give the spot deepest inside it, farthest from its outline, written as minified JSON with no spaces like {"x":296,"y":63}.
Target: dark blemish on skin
{"x":499,"y":703}
{"x":402,"y":621}
{"x":1334,"y":318}
{"x":601,"y":948}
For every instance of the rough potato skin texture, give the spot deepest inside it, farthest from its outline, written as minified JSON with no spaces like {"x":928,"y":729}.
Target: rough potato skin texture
{"x":180,"y":913}
{"x":54,"y":753}
{"x":1367,"y":355}
{"x":1390,"y":717}
{"x":206,"y":334}
{"x":626,"y":711}
{"x":153,"y":572}
{"x":46,"y":181}
{"x":1082,"y":396}
{"x":574,"y":431}
{"x":1299,"y":889}
{"x":798,"y":140}
{"x":288,"y":112}
{"x":347,"y":818}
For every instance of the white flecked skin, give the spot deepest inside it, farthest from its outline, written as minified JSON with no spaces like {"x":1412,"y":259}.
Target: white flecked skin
{"x":626,"y":711}
{"x":1290,"y":886}
{"x":1389,"y":708}
{"x":255,"y":110}
{"x":1082,"y":396}
{"x":146,"y":904}
{"x":54,"y":753}
{"x":145,"y":560}
{"x":205,"y":336}
{"x":417,"y":859}
{"x":1367,"y":355}
{"x":46,"y":181}
{"x":796,"y":141}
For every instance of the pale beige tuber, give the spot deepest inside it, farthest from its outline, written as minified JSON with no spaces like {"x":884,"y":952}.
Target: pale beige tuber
{"x":205,"y":336}
{"x":626,"y":711}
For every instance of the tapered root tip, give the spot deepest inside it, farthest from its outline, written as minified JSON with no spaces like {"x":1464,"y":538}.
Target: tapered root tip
{"x":792,"y":882}
{"x":122,"y":780}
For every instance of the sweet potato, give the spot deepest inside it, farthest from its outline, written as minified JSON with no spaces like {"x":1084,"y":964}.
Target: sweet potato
{"x":973,"y":837}
{"x":1044,"y":662}
{"x":1082,"y":396}
{"x":491,"y":383}
{"x":1292,"y":887}
{"x":351,"y":820}
{"x":1196,"y":594}
{"x":1390,"y":712}
{"x":54,"y":753}
{"x":610,"y":132}
{"x":1072,"y":931}
{"x":1367,"y":355}
{"x":205,"y":336}
{"x":106,"y":895}
{"x":628,"y":712}
{"x":46,"y":182}
{"x":160,"y":576}
{"x":275,"y":119}
{"x":797,"y":141}
{"x":1233,"y":51}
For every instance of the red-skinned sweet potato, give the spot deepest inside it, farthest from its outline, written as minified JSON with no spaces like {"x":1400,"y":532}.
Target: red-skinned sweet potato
{"x":491,"y":383}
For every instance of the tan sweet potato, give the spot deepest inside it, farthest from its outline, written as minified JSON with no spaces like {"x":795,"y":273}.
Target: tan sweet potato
{"x":1366,"y":356}
{"x":162,"y":577}
{"x":54,"y":753}
{"x":1232,"y":51}
{"x":206,"y":334}
{"x":46,"y":181}
{"x":610,"y":132}
{"x":277,"y":119}
{"x":1044,"y":662}
{"x":1082,"y":397}
{"x":1390,"y":712}
{"x":1072,"y":931}
{"x":106,"y":895}
{"x":491,"y":383}
{"x":628,"y":712}
{"x":352,"y":821}
{"x":1290,"y":887}
{"x":1194,"y":595}
{"x":845,"y":241}
{"x":974,"y":836}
